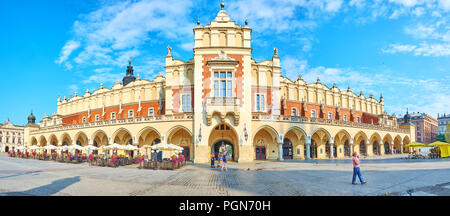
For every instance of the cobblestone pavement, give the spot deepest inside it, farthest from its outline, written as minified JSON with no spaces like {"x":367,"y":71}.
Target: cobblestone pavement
{"x":385,"y":176}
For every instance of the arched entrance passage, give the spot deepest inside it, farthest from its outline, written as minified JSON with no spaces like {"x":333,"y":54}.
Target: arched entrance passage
{"x":147,"y":137}
{"x":375,"y":140}
{"x":6,"y":148}
{"x":375,"y":147}
{"x":341,"y":140}
{"x":319,"y":141}
{"x":66,"y":140}
{"x":224,"y":146}
{"x":182,"y":137}
{"x":397,"y":145}
{"x":100,"y":139}
{"x":387,"y":140}
{"x":42,"y":141}
{"x":287,"y":149}
{"x":53,"y":140}
{"x":224,"y":132}
{"x":265,"y":144}
{"x":387,"y":150}
{"x":122,"y":137}
{"x":360,"y":143}
{"x":406,"y":142}
{"x":294,"y":144}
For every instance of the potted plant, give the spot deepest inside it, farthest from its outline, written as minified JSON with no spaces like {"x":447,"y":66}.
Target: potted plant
{"x":139,"y":159}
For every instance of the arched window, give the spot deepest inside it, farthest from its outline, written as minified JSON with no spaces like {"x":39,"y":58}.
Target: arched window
{"x":206,"y":39}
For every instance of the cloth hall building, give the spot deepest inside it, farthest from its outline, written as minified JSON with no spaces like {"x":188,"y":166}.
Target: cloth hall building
{"x":224,"y":97}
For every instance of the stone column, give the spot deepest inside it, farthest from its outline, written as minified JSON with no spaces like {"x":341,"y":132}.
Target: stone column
{"x":308,"y":147}
{"x":280,"y":151}
{"x":401,"y":148}
{"x":367,"y":148}
{"x":331,"y":148}
{"x":350,"y":142}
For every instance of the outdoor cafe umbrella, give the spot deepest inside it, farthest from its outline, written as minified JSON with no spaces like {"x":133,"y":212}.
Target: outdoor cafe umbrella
{"x":50,"y":147}
{"x":35,"y":147}
{"x":114,"y":146}
{"x":416,"y":144}
{"x":438,"y":143}
{"x":89,"y":148}
{"x":443,"y":146}
{"x":176,"y":147}
{"x":130,"y":147}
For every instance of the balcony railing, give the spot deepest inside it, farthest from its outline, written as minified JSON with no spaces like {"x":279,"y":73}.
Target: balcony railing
{"x":302,"y":119}
{"x":222,"y":101}
{"x":146,"y":119}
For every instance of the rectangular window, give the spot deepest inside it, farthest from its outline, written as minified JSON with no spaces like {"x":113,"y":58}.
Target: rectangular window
{"x":345,"y":117}
{"x":113,"y":116}
{"x":330,"y":115}
{"x":97,"y":118}
{"x":260,"y":102}
{"x":130,"y":114}
{"x":359,"y":120}
{"x":223,"y":84}
{"x":150,"y":111}
{"x":84,"y":119}
{"x":186,"y":103}
{"x":313,"y":114}
{"x":257,"y":103}
{"x":294,"y":112}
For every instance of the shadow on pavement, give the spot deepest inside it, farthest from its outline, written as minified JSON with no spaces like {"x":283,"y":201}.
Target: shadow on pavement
{"x":49,"y":189}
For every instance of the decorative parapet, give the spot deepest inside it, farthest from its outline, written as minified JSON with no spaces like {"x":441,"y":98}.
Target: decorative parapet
{"x":301,"y":119}
{"x":136,"y":120}
{"x":222,"y":106}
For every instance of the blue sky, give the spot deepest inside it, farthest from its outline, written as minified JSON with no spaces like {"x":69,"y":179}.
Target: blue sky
{"x":400,"y":48}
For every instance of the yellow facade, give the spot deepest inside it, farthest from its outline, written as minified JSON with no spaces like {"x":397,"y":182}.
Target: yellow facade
{"x":251,"y":107}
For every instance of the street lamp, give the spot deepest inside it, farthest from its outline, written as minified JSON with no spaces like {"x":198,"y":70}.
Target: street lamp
{"x":245,"y":132}
{"x":200,"y":134}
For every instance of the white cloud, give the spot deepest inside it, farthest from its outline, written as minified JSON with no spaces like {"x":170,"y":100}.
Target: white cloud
{"x":68,"y":48}
{"x":398,"y":48}
{"x":406,"y":3}
{"x":73,"y":87}
{"x":444,"y":4}
{"x":117,"y":31}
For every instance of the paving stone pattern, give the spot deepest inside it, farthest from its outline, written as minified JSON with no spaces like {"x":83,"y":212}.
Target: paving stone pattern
{"x":385,"y":176}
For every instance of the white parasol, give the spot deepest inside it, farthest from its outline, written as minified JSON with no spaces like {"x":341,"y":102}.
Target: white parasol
{"x":130,"y":147}
{"x":114,"y":146}
{"x":50,"y":147}
{"x":34,"y":147}
{"x":90,"y":147}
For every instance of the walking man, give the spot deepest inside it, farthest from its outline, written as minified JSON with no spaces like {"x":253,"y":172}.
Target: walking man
{"x":356,"y":170}
{"x":224,"y":160}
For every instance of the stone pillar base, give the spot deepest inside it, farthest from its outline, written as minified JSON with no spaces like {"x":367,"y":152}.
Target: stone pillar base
{"x":246,"y":154}
{"x":202,"y":154}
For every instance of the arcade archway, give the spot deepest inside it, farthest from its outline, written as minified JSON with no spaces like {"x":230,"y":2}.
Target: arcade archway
{"x":223,"y":135}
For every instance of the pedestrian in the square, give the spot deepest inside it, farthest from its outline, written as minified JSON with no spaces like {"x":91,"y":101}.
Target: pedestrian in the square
{"x":356,"y":169}
{"x":219,"y":160}
{"x":212,"y":160}
{"x":224,"y":162}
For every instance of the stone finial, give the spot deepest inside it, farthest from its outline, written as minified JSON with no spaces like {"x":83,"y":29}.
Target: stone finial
{"x":198,"y":21}
{"x":117,"y":82}
{"x":318,"y":80}
{"x":334,"y":85}
{"x":246,"y":22}
{"x":222,"y":5}
{"x":101,"y":85}
{"x":129,"y":61}
{"x":169,"y":51}
{"x":138,"y":77}
{"x":275,"y":52}
{"x":75,"y":94}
